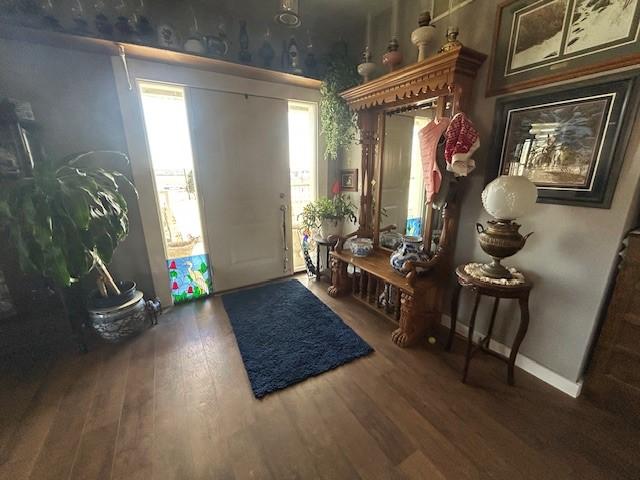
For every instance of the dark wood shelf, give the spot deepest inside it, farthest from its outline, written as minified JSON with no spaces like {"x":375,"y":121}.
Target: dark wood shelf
{"x":144,"y":52}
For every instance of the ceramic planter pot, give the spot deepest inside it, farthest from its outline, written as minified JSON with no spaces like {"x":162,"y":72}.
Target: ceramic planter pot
{"x":410,"y":249}
{"x":117,"y":322}
{"x":127,"y":292}
{"x":331,"y":226}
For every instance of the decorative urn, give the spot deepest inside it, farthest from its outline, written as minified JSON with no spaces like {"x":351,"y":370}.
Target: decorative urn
{"x":393,"y":57}
{"x":506,"y":198}
{"x":367,"y":67}
{"x":422,"y":36}
{"x":452,"y":42}
{"x":410,"y":249}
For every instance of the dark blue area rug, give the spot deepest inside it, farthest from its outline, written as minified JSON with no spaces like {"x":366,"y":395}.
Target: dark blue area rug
{"x":286,"y":334}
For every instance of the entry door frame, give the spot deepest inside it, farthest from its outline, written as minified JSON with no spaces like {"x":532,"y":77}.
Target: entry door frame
{"x":134,"y":128}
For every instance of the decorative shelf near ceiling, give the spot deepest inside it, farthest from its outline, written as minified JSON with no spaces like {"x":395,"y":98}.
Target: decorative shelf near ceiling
{"x":143,"y":52}
{"x":437,"y":75}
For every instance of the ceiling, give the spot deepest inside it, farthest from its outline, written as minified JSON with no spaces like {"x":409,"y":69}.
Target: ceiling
{"x":337,"y":17}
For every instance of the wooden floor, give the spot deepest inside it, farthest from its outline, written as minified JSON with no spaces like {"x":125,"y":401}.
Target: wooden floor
{"x":175,"y":403}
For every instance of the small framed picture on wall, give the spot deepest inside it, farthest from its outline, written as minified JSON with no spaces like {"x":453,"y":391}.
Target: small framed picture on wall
{"x":568,"y":140}
{"x":349,"y":180}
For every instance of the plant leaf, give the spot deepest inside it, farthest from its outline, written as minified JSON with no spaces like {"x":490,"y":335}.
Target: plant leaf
{"x":77,"y":207}
{"x":57,"y":267}
{"x":24,"y":257}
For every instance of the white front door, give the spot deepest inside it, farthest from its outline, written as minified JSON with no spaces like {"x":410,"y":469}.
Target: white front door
{"x":241,"y":151}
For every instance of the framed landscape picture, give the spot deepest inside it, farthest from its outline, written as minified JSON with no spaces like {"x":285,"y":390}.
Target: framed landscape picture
{"x":545,"y":41}
{"x":570,"y":141}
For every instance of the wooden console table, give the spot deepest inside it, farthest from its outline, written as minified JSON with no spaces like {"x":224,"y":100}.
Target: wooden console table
{"x":406,"y":300}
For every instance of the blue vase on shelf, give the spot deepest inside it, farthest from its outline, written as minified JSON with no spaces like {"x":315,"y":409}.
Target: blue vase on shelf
{"x":410,"y":249}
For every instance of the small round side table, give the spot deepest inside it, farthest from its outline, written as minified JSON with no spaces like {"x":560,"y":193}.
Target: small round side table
{"x":519,"y":291}
{"x":329,"y":244}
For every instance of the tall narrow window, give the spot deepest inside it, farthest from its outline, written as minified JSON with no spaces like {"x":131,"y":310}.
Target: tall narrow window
{"x":302,"y":168}
{"x":167,"y":128}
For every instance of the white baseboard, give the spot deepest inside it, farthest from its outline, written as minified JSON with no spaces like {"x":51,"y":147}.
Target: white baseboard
{"x":525,"y":363}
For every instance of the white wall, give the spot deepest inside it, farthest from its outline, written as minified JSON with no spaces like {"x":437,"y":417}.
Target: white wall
{"x":570,"y":257}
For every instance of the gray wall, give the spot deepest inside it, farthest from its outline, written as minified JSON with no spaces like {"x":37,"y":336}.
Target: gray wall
{"x":572,"y":254}
{"x":73,"y":97}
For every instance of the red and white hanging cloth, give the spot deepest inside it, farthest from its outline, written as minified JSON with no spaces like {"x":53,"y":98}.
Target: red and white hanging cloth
{"x":461,"y":140}
{"x":429,"y":137}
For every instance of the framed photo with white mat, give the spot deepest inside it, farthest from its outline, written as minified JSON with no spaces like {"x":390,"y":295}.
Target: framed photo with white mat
{"x":545,"y":41}
{"x":569,"y":140}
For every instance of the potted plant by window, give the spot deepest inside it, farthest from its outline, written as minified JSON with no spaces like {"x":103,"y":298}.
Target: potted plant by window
{"x":64,"y":223}
{"x":328,"y":214}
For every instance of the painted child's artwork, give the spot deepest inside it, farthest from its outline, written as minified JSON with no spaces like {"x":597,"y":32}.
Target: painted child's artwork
{"x":190,"y":278}
{"x":414,"y":227}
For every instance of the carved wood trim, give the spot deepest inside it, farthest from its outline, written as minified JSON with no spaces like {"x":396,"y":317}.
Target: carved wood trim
{"x":431,"y":77}
{"x":377,"y":178}
{"x":340,"y":284}
{"x":368,"y":126}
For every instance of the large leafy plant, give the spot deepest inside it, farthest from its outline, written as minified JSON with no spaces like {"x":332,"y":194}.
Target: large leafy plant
{"x":67,"y":219}
{"x":339,"y":207}
{"x":337,"y":120}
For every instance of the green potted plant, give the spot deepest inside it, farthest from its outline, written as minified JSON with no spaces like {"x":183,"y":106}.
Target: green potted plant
{"x":64,"y":223}
{"x":328,"y":214}
{"x":336,"y":119}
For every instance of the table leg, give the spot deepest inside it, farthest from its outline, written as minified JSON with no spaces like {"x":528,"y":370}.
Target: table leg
{"x":522,"y":331}
{"x":454,"y":315}
{"x":327,"y":259}
{"x":487,"y":339}
{"x":472,"y":324}
{"x":318,"y":271}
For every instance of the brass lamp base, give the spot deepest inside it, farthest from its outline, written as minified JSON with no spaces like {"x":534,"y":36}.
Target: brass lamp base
{"x":496,"y":270}
{"x":452,"y":40}
{"x":500,"y":239}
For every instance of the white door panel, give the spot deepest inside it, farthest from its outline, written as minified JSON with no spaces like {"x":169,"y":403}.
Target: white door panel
{"x":241,"y":152}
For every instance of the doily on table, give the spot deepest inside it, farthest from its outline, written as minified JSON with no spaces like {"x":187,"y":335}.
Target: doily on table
{"x":475,"y":270}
